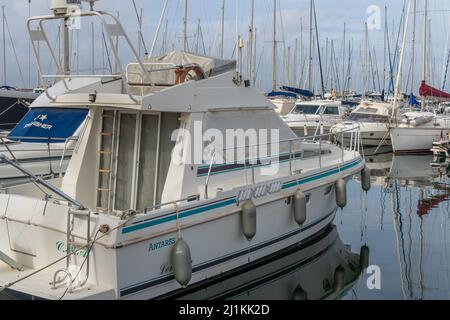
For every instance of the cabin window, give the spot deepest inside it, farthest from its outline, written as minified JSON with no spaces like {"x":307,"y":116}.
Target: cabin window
{"x":148,"y":161}
{"x":331,"y":111}
{"x":306,"y":109}
{"x":134,"y":159}
{"x":125,"y":161}
{"x":356,"y":116}
{"x":169,"y":123}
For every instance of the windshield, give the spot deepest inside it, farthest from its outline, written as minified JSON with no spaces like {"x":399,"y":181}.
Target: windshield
{"x":306,"y":109}
{"x":48,"y":125}
{"x":331,"y":111}
{"x":367,"y":117}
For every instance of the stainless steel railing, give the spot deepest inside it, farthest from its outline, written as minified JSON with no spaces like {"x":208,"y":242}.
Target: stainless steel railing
{"x":354,"y":145}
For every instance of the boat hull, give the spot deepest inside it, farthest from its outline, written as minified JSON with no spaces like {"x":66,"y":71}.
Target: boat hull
{"x":372,"y":134}
{"x":415,"y":140}
{"x":217,"y":223}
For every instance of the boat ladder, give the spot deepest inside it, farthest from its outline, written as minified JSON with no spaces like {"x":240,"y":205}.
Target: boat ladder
{"x":106,"y":159}
{"x":74,"y":249}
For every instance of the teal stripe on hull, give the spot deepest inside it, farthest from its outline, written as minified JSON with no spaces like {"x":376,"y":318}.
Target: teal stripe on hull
{"x":231,"y":201}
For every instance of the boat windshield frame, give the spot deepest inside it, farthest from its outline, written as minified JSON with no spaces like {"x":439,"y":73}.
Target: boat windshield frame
{"x":368,"y":117}
{"x":296,"y":109}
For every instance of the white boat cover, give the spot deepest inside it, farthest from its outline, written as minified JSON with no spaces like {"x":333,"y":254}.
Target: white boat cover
{"x":210,"y":65}
{"x":163,"y":74}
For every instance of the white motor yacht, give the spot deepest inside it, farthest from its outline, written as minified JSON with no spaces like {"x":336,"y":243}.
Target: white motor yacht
{"x":417,"y":131}
{"x":372,"y":119}
{"x":314,"y":117}
{"x":153,"y":198}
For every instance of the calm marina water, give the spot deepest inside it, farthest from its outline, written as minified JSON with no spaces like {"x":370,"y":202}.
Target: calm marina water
{"x":403,"y":220}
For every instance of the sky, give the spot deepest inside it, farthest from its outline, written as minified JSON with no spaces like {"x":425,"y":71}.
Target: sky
{"x":293,"y":16}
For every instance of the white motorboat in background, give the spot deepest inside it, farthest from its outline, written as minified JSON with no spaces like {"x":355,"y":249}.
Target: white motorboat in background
{"x":283,"y":101}
{"x":417,"y":131}
{"x":315,"y":117}
{"x":131,"y":216}
{"x":372,"y":119}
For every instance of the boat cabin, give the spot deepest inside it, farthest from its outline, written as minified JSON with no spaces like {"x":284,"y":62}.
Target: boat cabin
{"x":372,"y":112}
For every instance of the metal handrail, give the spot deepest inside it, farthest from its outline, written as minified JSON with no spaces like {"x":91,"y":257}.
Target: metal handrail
{"x":40,"y":35}
{"x":157,"y":206}
{"x":19,"y":138}
{"x":209,"y":173}
{"x":298,"y":139}
{"x":42,"y":182}
{"x":355,"y":143}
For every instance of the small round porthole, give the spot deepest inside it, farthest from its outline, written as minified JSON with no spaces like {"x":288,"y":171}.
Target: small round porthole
{"x":372,"y":134}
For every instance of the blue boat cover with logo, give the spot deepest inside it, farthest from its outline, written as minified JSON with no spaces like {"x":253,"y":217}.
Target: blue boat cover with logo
{"x":53,"y":125}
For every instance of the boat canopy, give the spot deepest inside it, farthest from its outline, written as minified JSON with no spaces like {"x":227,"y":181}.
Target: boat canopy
{"x":302,"y":92}
{"x":163,"y":70}
{"x":210,"y":66}
{"x":413,"y":101}
{"x":282,"y":94}
{"x":428,"y":91}
{"x":48,"y":125}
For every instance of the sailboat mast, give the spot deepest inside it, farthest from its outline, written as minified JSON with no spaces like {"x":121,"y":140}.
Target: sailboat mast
{"x":318,"y":52}
{"x":310,"y":46}
{"x":185,"y":25}
{"x":413,"y":44}
{"x":385,"y":50}
{"x":365,"y":63}
{"x":400,"y":63}
{"x":223,"y":29}
{"x":274,"y":79}
{"x":4,"y":45}
{"x":250,"y":44}
{"x":343,"y":58}
{"x":424,"y":70}
{"x":294,"y":80}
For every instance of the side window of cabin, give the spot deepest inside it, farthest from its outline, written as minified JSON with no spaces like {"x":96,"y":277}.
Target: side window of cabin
{"x":134,"y":159}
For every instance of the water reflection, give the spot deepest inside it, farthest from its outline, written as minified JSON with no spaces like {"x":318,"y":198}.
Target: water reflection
{"x":322,"y":268}
{"x":404,"y":220}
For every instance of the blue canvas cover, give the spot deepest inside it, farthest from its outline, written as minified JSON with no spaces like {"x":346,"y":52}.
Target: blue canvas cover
{"x":53,"y":125}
